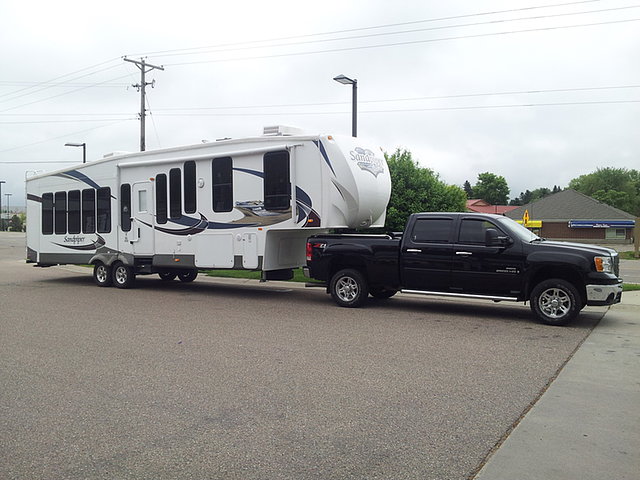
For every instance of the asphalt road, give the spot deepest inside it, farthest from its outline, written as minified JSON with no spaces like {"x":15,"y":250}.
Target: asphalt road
{"x":227,"y":380}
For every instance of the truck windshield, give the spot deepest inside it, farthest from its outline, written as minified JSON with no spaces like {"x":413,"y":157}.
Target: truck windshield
{"x":517,"y":230}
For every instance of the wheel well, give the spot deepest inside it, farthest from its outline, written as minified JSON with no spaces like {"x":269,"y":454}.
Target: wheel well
{"x":342,"y":262}
{"x":564,"y":273}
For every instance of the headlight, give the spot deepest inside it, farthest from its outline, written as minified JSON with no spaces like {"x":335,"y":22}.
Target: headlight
{"x":603,"y":264}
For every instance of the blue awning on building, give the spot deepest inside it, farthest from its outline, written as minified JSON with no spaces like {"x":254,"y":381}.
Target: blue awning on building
{"x":602,"y":223}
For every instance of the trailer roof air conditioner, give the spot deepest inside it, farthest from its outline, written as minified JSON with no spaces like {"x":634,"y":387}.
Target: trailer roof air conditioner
{"x":282,"y":130}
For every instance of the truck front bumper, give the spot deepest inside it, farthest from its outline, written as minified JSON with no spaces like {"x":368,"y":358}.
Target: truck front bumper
{"x":604,"y":294}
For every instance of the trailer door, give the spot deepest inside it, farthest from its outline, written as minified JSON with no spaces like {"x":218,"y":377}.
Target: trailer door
{"x":142,"y":221}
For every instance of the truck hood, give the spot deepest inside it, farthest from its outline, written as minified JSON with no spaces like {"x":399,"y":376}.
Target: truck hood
{"x":594,"y":249}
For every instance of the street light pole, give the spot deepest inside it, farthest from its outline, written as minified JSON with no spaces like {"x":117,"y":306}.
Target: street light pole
{"x":8,"y":195}
{"x":1,"y":182}
{"x":354,"y":100}
{"x":84,"y":149}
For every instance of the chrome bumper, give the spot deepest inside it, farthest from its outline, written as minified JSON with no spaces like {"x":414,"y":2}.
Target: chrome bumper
{"x":604,"y":294}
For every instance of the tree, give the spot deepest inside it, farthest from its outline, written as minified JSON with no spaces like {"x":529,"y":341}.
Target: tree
{"x":492,"y":188}
{"x":417,"y":189}
{"x":15,"y":224}
{"x":617,"y":187}
{"x":468,"y":189}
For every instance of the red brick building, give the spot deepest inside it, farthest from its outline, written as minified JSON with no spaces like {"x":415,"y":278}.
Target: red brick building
{"x":570,"y":215}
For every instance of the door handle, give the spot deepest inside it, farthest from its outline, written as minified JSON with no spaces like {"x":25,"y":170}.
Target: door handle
{"x":414,"y":250}
{"x":464,"y":253}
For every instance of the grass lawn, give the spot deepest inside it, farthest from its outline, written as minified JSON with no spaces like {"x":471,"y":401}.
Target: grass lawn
{"x":627,"y":256}
{"x":630,"y":287}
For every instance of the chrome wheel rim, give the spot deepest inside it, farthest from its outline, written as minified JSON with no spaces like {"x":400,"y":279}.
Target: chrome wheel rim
{"x":101,"y":274}
{"x":120,"y":275}
{"x":347,"y":289}
{"x":554,"y":303}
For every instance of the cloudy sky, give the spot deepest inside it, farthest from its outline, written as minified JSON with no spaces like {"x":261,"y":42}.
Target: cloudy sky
{"x":539,"y":91}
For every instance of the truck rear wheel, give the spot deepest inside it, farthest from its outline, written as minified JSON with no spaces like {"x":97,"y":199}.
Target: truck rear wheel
{"x":555,"y":301}
{"x":349,"y":288}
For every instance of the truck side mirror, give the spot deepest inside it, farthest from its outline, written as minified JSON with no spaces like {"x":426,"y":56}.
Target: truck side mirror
{"x":492,"y":238}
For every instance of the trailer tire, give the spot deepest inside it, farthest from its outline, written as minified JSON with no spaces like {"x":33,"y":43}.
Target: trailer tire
{"x":349,"y":288}
{"x":123,"y":276}
{"x":102,"y":275}
{"x":382,"y":293}
{"x":188,"y":275}
{"x":555,"y":301}
{"x":167,"y":276}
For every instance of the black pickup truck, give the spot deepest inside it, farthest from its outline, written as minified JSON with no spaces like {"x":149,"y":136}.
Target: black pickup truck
{"x":467,"y":255}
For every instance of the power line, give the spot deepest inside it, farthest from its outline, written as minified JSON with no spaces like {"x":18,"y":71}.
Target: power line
{"x":456,"y":17}
{"x":411,"y":42}
{"x":401,"y":32}
{"x":404,"y":110}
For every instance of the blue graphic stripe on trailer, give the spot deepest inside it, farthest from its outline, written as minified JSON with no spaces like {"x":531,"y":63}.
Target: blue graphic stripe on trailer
{"x":250,"y":172}
{"x":324,"y":155}
{"x":79,"y":176}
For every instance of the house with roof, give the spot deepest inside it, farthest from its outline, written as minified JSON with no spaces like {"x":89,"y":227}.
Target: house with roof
{"x":481,"y":206}
{"x":573,"y":216}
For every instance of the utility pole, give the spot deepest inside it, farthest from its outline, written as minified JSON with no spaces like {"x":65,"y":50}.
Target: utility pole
{"x":144,"y":69}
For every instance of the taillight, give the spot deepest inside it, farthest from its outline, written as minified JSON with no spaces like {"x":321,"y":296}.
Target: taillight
{"x":311,"y":246}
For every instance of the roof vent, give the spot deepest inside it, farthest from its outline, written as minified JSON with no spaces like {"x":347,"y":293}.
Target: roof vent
{"x":282,"y":130}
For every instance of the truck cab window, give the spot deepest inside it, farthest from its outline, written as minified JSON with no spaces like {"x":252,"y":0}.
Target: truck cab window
{"x":432,"y":230}
{"x":474,"y":231}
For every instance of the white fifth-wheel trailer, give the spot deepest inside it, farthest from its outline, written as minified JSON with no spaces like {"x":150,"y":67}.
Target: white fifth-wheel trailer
{"x":244,"y":203}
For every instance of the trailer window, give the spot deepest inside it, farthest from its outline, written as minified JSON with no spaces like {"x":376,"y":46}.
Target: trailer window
{"x":89,"y":211}
{"x":60,"y":212}
{"x":190,"y":187}
{"x":432,"y":230}
{"x":222,"y":172}
{"x":125,"y":207}
{"x":175,"y":193}
{"x":47,"y":213}
{"x":73,"y":211}
{"x":103,"y":202}
{"x":161,"y":198}
{"x":277,"y":185}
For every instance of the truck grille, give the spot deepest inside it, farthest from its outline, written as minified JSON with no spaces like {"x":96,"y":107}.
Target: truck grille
{"x":616,"y":264}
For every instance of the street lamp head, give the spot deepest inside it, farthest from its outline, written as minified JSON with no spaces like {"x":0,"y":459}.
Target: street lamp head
{"x":74,"y":144}
{"x":345,"y":80}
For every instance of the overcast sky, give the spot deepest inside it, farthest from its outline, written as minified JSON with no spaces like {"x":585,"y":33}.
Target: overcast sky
{"x":539,"y":91}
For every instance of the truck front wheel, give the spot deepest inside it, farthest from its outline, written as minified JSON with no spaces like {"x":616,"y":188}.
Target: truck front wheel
{"x":555,"y":301}
{"x":349,"y":288}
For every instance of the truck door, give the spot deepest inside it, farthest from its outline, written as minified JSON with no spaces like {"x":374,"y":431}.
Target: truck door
{"x":478,"y":268}
{"x":142,"y":222}
{"x":426,"y":255}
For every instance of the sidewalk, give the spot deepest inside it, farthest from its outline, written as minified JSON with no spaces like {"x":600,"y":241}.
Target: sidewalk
{"x":587,"y":424}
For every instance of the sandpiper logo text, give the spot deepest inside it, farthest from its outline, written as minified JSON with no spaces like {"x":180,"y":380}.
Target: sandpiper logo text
{"x":74,"y":239}
{"x":367,"y":160}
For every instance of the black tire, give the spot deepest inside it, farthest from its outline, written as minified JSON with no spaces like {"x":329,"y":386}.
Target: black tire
{"x":349,"y":288}
{"x":102,"y":275}
{"x":555,"y":301}
{"x":188,"y":275}
{"x":123,"y":276}
{"x":167,"y":276}
{"x":382,"y":293}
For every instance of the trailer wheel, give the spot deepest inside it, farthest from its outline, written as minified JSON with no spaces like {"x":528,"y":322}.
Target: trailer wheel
{"x":102,"y":275}
{"x":188,"y":275}
{"x":349,"y":288}
{"x":123,"y":275}
{"x":167,"y":276}
{"x":382,"y":293}
{"x":555,"y":301}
